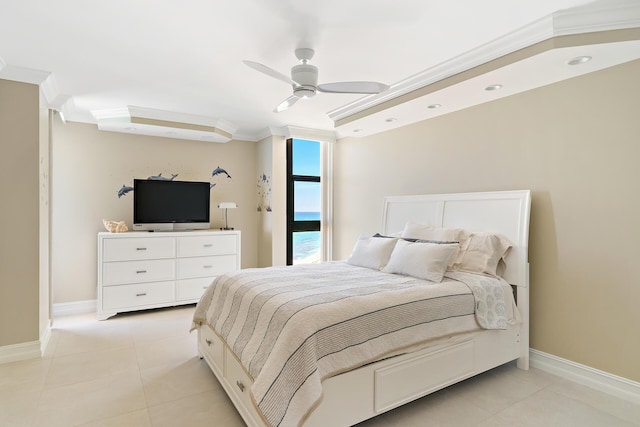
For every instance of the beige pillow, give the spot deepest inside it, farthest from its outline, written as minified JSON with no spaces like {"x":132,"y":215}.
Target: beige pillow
{"x":426,"y":261}
{"x":372,"y":252}
{"x":481,"y":253}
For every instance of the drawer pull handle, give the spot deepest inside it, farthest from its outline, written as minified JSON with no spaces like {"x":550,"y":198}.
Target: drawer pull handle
{"x":141,"y":271}
{"x":141,"y":295}
{"x":240,"y":386}
{"x":209,"y":342}
{"x":207,"y":266}
{"x":141,"y":249}
{"x":208,"y":245}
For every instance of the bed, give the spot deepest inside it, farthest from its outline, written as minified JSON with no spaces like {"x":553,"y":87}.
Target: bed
{"x":296,"y":346}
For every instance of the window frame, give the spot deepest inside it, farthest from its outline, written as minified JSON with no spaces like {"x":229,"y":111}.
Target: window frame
{"x":294,"y":226}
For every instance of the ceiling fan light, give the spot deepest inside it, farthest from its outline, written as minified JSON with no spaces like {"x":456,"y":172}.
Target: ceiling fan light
{"x":304,"y":92}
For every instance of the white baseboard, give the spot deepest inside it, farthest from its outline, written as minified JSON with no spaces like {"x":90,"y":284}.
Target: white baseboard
{"x":44,"y":338}
{"x":75,"y":307}
{"x":22,"y":351}
{"x":25,"y":350}
{"x":603,"y":381}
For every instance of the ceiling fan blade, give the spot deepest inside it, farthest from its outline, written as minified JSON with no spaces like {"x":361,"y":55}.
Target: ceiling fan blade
{"x":353,"y":87}
{"x":270,"y":72}
{"x":284,"y":105}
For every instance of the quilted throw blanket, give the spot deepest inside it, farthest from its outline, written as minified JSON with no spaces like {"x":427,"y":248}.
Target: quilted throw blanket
{"x":292,"y":327}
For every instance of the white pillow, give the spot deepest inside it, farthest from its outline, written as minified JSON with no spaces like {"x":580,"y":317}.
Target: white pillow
{"x":482,"y":253}
{"x":414,"y":230}
{"x":372,"y":252}
{"x":426,"y":261}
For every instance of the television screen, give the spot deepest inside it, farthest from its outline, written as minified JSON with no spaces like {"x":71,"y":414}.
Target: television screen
{"x":169,"y":205}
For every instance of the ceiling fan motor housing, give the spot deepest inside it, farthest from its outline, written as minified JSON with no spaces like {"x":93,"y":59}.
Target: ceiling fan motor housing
{"x":306,"y":75}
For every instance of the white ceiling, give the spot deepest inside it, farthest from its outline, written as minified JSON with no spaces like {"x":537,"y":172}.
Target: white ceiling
{"x":95,"y":59}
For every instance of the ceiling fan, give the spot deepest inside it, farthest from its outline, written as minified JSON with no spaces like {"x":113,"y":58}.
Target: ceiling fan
{"x":304,"y":79}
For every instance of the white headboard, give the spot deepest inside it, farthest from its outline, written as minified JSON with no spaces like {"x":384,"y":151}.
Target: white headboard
{"x":504,"y":212}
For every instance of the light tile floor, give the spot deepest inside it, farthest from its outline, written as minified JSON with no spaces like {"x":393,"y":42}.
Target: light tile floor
{"x":141,"y":369}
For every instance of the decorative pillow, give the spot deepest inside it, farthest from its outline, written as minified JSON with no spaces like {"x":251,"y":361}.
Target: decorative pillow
{"x":481,"y":253}
{"x":426,"y":261}
{"x":372,"y":252}
{"x":429,"y":232}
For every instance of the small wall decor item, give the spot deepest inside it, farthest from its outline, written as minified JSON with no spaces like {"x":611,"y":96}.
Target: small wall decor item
{"x":159,"y":177}
{"x":115,"y":226}
{"x":124,"y":190}
{"x":264,"y":193}
{"x":219,"y":171}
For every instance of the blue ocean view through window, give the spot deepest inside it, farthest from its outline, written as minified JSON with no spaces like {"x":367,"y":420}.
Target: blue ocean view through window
{"x":306,"y":240}
{"x":306,"y":244}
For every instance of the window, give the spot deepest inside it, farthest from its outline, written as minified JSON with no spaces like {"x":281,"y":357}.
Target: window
{"x":304,"y":202}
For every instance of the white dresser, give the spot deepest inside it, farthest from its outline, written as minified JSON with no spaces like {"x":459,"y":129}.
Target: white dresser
{"x":140,"y":270}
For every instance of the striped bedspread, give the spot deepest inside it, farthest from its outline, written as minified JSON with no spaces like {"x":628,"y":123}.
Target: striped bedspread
{"x":292,"y":327}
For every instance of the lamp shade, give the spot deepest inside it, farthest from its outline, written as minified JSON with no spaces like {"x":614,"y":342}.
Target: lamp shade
{"x":227,"y":205}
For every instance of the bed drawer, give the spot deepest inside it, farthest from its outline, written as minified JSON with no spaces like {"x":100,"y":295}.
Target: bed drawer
{"x":205,"y":266}
{"x":238,"y":379}
{"x":207,"y":245}
{"x":213,"y":346}
{"x":126,"y":296}
{"x":398,"y":383}
{"x":191,"y":289}
{"x":115,"y":273}
{"x":124,"y":249}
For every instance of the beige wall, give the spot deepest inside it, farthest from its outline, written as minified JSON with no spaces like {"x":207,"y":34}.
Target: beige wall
{"x":88,"y":168}
{"x":576,"y":145}
{"x":19,"y":213}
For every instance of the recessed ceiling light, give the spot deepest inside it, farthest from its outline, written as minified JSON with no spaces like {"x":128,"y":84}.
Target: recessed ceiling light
{"x":579,"y":60}
{"x":493,"y":87}
{"x":434,"y":106}
{"x":390,"y":119}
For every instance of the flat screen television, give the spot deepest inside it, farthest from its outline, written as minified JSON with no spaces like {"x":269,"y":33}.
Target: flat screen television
{"x":162,"y":205}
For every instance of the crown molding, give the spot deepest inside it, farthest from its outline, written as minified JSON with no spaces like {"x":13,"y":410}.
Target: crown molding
{"x":167,"y":124}
{"x":599,"y":16}
{"x":23,"y":75}
{"x":304,"y":133}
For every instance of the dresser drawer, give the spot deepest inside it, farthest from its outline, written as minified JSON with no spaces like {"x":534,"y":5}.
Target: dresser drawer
{"x":238,"y":378}
{"x":399,"y":383}
{"x":142,"y":294}
{"x":205,"y":266}
{"x":116,"y":273}
{"x":221,"y":244}
{"x":212,"y":345}
{"x":190,"y":289}
{"x":128,"y":249}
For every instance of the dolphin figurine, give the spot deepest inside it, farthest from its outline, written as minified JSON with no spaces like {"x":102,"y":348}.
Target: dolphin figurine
{"x":219,"y":171}
{"x":124,"y":190}
{"x":159,"y":177}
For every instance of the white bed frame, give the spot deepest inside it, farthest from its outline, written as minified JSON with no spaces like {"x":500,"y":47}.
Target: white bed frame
{"x":392,"y":382}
